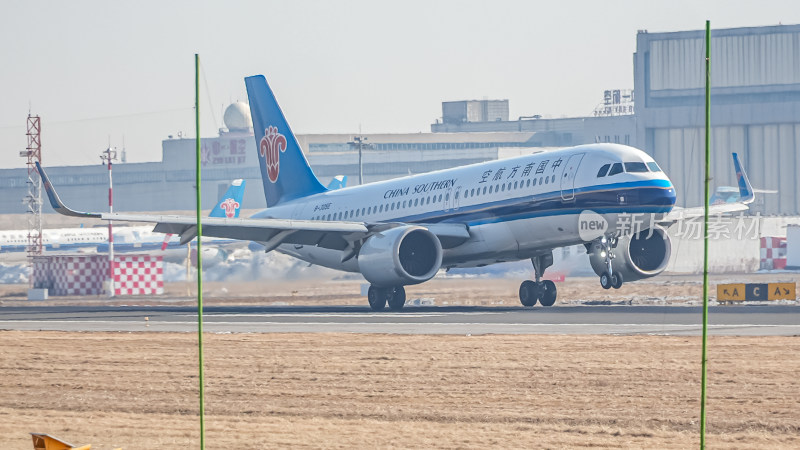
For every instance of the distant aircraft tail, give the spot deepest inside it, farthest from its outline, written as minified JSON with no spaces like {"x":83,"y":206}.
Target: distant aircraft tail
{"x":230,"y":203}
{"x":338,"y":182}
{"x":746,"y":191}
{"x":284,"y":169}
{"x":228,"y":206}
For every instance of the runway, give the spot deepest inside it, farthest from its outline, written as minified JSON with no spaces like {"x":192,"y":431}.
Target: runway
{"x":749,"y":320}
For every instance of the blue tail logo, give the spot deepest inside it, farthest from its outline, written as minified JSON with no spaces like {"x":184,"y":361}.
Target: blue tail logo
{"x":284,"y":169}
{"x":231,"y":202}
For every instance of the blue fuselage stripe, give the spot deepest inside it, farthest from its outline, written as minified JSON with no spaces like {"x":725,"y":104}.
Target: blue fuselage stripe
{"x":653,"y":196}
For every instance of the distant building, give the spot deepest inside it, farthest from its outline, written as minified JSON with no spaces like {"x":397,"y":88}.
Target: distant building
{"x":612,"y":121}
{"x":475,"y":111}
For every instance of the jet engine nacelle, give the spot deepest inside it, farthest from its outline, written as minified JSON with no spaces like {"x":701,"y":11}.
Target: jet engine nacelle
{"x":636,"y":256}
{"x":400,"y":256}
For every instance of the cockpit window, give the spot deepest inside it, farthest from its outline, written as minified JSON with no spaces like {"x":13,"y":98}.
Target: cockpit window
{"x":603,"y":170}
{"x":615,"y":169}
{"x":653,"y":166}
{"x":635,"y":167}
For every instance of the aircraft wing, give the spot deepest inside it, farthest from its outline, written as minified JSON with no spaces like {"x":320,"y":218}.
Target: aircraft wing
{"x":268,"y":231}
{"x":678,"y":214}
{"x":746,"y":196}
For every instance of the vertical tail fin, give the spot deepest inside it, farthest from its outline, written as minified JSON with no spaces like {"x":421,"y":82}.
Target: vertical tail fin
{"x":284,"y":168}
{"x":227,"y":206}
{"x":746,"y":193}
{"x":230,"y":203}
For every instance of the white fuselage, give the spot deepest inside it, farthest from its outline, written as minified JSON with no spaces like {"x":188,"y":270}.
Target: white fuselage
{"x":514,"y":208}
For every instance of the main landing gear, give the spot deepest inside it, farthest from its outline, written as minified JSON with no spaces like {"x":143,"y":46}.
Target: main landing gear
{"x":609,"y":278}
{"x":378,"y":297}
{"x":540,"y":291}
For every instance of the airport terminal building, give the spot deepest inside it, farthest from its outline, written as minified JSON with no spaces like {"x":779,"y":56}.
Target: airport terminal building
{"x":755,"y":112}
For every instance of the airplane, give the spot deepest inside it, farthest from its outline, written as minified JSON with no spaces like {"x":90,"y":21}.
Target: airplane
{"x":140,"y":239}
{"x":402,"y":231}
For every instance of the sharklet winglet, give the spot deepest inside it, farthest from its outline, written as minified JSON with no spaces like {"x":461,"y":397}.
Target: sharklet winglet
{"x":56,"y":202}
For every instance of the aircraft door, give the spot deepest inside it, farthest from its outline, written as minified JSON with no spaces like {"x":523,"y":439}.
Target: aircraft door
{"x":448,"y":199}
{"x":568,"y":177}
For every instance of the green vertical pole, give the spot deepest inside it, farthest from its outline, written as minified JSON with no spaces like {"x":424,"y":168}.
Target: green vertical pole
{"x":199,"y":248}
{"x":705,"y":237}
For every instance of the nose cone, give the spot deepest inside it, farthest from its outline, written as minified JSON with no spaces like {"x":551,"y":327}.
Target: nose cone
{"x":668,"y":196}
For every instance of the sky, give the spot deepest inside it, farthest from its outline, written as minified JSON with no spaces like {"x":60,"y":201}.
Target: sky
{"x":122,"y":73}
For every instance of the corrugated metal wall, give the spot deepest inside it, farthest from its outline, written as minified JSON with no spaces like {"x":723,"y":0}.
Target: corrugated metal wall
{"x":744,"y":60}
{"x":769,"y":153}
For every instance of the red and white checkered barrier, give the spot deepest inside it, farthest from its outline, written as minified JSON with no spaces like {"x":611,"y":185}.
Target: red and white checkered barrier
{"x":773,"y":253}
{"x":138,"y":275}
{"x":86,"y":274}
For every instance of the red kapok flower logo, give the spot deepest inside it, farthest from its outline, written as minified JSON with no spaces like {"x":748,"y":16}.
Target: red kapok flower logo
{"x":271,"y":146}
{"x":230,"y":206}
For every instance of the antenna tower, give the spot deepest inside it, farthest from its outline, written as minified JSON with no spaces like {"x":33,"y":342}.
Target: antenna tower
{"x":33,"y":200}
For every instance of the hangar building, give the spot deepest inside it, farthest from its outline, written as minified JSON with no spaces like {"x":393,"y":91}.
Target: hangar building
{"x":755,"y":97}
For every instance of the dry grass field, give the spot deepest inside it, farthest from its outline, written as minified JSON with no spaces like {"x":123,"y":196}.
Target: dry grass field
{"x":139,"y":391}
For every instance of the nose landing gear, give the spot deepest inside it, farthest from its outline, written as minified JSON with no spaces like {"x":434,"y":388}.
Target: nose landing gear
{"x":609,"y":278}
{"x":540,"y":291}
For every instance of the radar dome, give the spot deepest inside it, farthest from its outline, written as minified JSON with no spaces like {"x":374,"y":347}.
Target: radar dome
{"x":237,"y":117}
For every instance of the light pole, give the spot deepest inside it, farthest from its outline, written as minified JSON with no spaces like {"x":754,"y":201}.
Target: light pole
{"x":360,"y":142}
{"x":107,"y":156}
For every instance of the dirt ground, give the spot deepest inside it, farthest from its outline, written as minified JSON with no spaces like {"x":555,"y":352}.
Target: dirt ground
{"x":139,"y":390}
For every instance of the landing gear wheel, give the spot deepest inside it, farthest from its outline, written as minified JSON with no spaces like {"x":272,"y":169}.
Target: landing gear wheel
{"x":396,"y":298}
{"x":377,"y":298}
{"x":528,"y":293}
{"x":548,"y":293}
{"x":616,"y":280}
{"x":605,"y":280}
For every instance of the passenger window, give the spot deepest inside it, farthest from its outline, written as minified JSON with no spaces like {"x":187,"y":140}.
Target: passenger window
{"x":416,"y":201}
{"x":491,"y":188}
{"x":534,"y":181}
{"x":484,"y":190}
{"x":653,"y":166}
{"x":457,"y":192}
{"x":546,"y":180}
{"x":553,"y":179}
{"x":603,"y":170}
{"x":529,"y":182}
{"x":615,"y":169}
{"x":363,"y":211}
{"x":503,"y":187}
{"x":635,"y":167}
{"x":515,"y":184}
